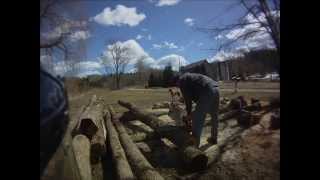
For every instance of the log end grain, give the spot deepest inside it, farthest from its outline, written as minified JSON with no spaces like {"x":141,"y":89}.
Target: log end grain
{"x":88,"y":128}
{"x":195,"y":160}
{"x":199,"y":163}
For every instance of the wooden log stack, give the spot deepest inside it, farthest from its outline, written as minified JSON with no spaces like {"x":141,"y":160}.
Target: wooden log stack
{"x":191,"y":155}
{"x":119,"y":158}
{"x":81,"y":148}
{"x":142,"y":168}
{"x":91,"y":125}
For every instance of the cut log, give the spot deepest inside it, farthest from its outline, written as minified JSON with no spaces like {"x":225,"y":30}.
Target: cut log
{"x":119,"y":158}
{"x":247,"y":119}
{"x":63,"y":164}
{"x":143,"y":169}
{"x":92,"y":125}
{"x":128,"y":116}
{"x":238,"y":103}
{"x":158,"y":112}
{"x":98,"y":143}
{"x":97,"y":171}
{"x":229,"y":115}
{"x":81,"y":148}
{"x":84,"y":125}
{"x":160,"y":105}
{"x":142,"y":136}
{"x":191,"y":155}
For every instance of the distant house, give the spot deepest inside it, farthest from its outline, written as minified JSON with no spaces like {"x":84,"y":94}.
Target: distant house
{"x":222,"y":70}
{"x":201,"y":67}
{"x":218,"y":71}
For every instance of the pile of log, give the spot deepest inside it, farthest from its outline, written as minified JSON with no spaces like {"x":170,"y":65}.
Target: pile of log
{"x":141,"y":166}
{"x":160,"y":105}
{"x":100,"y":130}
{"x":89,"y":139}
{"x":190,"y":154}
{"x":247,"y":119}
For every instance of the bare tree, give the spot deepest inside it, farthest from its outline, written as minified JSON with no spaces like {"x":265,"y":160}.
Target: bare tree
{"x":265,"y":17}
{"x":117,"y":58}
{"x":58,"y":22}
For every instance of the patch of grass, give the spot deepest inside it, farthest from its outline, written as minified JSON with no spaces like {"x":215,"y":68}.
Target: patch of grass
{"x":145,"y":98}
{"x":263,"y":96}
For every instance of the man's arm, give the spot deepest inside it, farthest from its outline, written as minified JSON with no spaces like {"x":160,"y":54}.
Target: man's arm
{"x":187,"y":99}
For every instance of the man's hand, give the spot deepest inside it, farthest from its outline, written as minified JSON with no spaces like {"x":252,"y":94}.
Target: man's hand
{"x":188,"y":122}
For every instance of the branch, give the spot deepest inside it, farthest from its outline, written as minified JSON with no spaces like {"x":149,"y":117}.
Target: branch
{"x":250,"y":9}
{"x":64,"y":49}
{"x":56,"y":42}
{"x":227,"y":28}
{"x":243,"y":36}
{"x":46,"y":7}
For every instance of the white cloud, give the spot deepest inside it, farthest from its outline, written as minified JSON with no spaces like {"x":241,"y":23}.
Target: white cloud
{"x":82,"y":68}
{"x":222,"y":56}
{"x":46,"y":63}
{"x":144,"y":29}
{"x":182,"y":48}
{"x":219,"y":36}
{"x":156,"y":46}
{"x":80,"y":35}
{"x":165,"y":44}
{"x":65,"y":27}
{"x":174,"y":59}
{"x":167,"y":2}
{"x":189,"y":21}
{"x":139,"y":36}
{"x":120,"y":16}
{"x":135,"y":51}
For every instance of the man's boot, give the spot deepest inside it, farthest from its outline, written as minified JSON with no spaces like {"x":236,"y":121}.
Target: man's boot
{"x":212,"y":140}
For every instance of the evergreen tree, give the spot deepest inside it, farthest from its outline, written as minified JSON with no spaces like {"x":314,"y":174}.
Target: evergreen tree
{"x":167,"y":75}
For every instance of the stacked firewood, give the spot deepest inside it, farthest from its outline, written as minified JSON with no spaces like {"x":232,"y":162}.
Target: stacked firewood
{"x":100,"y":130}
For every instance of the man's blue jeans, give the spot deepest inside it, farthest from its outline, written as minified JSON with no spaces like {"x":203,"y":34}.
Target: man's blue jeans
{"x":208,"y":103}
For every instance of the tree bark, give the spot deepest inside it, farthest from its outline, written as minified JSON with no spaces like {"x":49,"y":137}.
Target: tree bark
{"x":85,"y":123}
{"x":143,"y":136}
{"x":228,"y":115}
{"x":143,"y":169}
{"x":92,"y":125}
{"x":123,"y":168}
{"x":191,"y":155}
{"x":81,"y":148}
{"x":129,"y":116}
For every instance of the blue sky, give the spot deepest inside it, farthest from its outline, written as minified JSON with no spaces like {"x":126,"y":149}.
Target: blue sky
{"x":164,"y":23}
{"x":164,"y":30}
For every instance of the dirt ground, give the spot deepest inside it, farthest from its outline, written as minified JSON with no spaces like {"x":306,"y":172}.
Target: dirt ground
{"x":246,"y":153}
